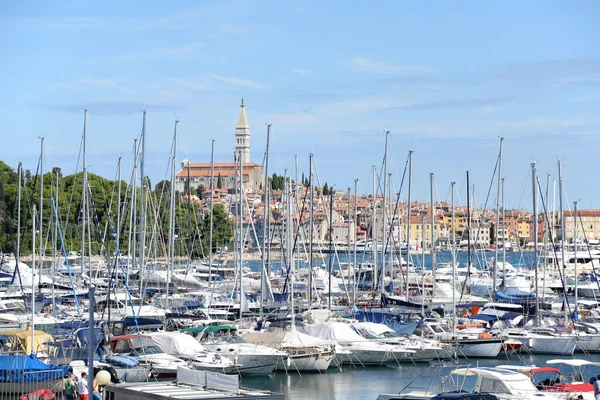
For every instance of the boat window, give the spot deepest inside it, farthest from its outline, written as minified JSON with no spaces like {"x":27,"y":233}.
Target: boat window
{"x":492,"y":386}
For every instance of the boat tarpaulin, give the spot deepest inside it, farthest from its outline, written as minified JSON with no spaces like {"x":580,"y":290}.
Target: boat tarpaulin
{"x":25,"y":369}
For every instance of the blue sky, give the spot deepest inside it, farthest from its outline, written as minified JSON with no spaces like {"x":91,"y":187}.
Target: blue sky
{"x":446,"y":78}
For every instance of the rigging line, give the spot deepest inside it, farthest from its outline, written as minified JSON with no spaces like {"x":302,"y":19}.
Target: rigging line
{"x":394,"y":216}
{"x":589,"y":251}
{"x":10,"y":228}
{"x":482,"y":214}
{"x":62,"y":244}
{"x":73,"y":185}
{"x":560,"y":274}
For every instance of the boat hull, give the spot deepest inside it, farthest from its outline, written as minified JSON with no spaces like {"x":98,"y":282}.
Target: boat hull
{"x":479,"y":348}
{"x":310,"y":362}
{"x":549,"y":345}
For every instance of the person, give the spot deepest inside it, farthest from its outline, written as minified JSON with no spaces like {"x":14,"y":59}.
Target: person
{"x":597,"y":388}
{"x":82,"y":387}
{"x":70,"y":387}
{"x":97,"y":395}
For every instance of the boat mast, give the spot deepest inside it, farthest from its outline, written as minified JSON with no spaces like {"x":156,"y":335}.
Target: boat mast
{"x":118,"y":233}
{"x":389,"y":243}
{"x":212,"y":195}
{"x":432,"y":222}
{"x":383,"y":210}
{"x":562,"y":231}
{"x":410,"y":152}
{"x":54,"y":244}
{"x":576,"y":312}
{"x":142,"y":208}
{"x":354,"y":282}
{"x":171,"y":261}
{"x":546,"y":231}
{"x":349,"y":234}
{"x":41,"y":208}
{"x":33,"y":280}
{"x":535,"y":243}
{"x":310,"y":232}
{"x":453,"y":184}
{"x":20,"y":176}
{"x":266,"y":207}
{"x":503,"y":233}
{"x":330,"y":246}
{"x":374,"y":232}
{"x":83,"y":197}
{"x":495,"y":272}
{"x":468,"y":227}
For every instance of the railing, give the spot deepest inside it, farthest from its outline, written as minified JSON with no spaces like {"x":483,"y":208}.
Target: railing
{"x":18,"y":381}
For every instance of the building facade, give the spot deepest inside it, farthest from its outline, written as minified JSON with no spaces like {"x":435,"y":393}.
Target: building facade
{"x":199,"y":174}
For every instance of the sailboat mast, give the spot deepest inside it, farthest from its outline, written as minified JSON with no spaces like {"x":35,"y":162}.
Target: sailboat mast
{"x":547,"y":229}
{"x":408,"y":216}
{"x":142,"y":242}
{"x":20,"y":175}
{"x":310,"y":232}
{"x":453,"y":236}
{"x":562,"y":230}
{"x":41,"y":207}
{"x":504,"y":233}
{"x":383,"y":209}
{"x":575,"y":255}
{"x":355,"y":268}
{"x":495,"y":272}
{"x":119,"y":169}
{"x":349,"y":234}
{"x":84,"y":195}
{"x":432,"y":222}
{"x":266,"y":207}
{"x":242,"y":295}
{"x":54,"y":244}
{"x":330,"y":246}
{"x":374,"y":231}
{"x":171,"y":260}
{"x":33,"y":280}
{"x":212,"y":195}
{"x":535,"y":243}
{"x":468,"y":225}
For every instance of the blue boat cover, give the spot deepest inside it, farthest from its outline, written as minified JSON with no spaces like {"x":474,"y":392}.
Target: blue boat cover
{"x":26,"y":369}
{"x":122,"y":361}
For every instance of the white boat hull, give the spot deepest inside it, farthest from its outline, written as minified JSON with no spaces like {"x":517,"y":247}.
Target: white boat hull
{"x":564,"y":345}
{"x":479,"y":348}
{"x":313,"y":362}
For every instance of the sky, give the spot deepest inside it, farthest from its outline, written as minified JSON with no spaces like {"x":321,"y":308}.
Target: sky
{"x":446,"y":79}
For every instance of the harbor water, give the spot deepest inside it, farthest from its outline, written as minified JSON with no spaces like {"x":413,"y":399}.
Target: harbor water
{"x":366,"y":383}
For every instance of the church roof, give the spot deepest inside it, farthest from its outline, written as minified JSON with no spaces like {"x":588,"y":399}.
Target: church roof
{"x":242,"y":122}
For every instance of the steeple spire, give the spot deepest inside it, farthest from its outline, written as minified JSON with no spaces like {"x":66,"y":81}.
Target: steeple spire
{"x":242,"y":134}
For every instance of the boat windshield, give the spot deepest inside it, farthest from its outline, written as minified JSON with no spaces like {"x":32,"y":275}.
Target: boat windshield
{"x":147,"y":350}
{"x":521,"y":387}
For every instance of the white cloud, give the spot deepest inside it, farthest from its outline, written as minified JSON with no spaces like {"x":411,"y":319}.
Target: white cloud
{"x":300,"y":71}
{"x":363,"y":64}
{"x":232,"y":80}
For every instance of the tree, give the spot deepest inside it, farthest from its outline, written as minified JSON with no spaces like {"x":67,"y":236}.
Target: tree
{"x":325,"y":189}
{"x":219,"y":182}
{"x":222,"y":228}
{"x":199,"y":191}
{"x":163,"y":187}
{"x":277,"y":182}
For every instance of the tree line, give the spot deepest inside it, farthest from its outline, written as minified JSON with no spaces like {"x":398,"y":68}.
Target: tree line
{"x":192,"y":225}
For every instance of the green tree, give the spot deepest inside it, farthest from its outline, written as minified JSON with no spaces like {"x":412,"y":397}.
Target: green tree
{"x":325,"y":189}
{"x":222,"y":228}
{"x":199,"y":191}
{"x":219,"y":182}
{"x":277,"y":182}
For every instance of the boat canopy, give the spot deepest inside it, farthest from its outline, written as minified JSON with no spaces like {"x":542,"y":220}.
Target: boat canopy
{"x":13,"y":368}
{"x":22,"y":340}
{"x":573,"y":362}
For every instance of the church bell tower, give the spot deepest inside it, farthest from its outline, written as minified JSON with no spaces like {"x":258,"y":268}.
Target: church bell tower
{"x":242,"y":135}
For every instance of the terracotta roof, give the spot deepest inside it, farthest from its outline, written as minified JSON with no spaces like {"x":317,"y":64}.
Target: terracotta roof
{"x":228,"y":172}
